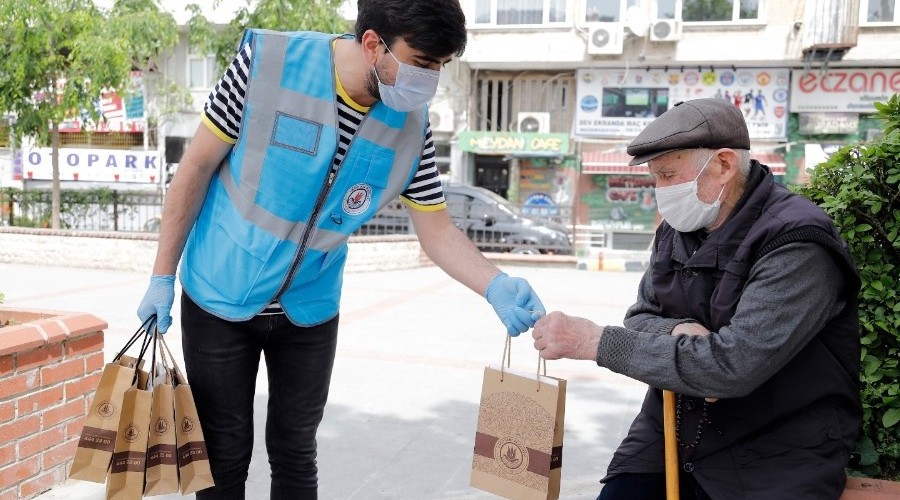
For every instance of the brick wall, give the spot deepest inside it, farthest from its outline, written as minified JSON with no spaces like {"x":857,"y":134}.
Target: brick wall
{"x":50,"y":364}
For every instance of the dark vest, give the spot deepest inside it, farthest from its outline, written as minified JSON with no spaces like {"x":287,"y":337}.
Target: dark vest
{"x":803,"y":421}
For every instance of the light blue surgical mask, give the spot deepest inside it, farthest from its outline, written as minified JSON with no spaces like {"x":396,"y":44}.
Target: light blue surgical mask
{"x":412,"y":88}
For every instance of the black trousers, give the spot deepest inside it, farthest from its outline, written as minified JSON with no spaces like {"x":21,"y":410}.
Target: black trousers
{"x":222,"y":360}
{"x":649,"y":487}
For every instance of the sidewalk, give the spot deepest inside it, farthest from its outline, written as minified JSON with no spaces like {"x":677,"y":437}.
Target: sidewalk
{"x":401,"y":416}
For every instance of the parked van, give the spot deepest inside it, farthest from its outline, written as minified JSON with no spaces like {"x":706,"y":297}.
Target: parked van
{"x":489,"y":220}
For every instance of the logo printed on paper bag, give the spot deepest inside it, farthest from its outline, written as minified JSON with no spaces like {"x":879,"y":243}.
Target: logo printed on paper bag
{"x":511,"y":454}
{"x":187,"y":425}
{"x":162,"y":427}
{"x":106,"y":409}
{"x":131,"y":433}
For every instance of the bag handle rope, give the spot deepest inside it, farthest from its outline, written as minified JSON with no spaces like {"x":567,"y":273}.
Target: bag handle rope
{"x":505,"y":360}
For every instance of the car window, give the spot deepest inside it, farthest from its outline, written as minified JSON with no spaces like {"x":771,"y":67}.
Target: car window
{"x":505,"y":206}
{"x":456,"y":205}
{"x":480,"y":209}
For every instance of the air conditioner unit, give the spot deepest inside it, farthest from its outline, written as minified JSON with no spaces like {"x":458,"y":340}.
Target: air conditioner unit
{"x":530,"y":121}
{"x":441,"y":119}
{"x":605,"y":39}
{"x":665,"y":30}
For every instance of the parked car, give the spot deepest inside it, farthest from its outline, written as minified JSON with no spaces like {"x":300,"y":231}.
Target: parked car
{"x":489,"y":220}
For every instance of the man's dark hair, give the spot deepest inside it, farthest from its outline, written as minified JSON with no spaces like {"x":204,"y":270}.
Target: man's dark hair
{"x":435,"y":27}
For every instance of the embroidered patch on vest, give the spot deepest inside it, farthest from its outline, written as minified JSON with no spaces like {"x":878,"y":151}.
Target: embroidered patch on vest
{"x":357,"y":199}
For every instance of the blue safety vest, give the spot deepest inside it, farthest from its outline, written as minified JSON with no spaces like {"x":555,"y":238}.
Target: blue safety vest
{"x":277,"y":216}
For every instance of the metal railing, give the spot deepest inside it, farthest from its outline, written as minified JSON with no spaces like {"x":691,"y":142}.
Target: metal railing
{"x":88,"y":210}
{"x":134,"y":211}
{"x":536,"y":234}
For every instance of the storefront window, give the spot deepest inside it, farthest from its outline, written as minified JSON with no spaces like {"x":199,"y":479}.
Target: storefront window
{"x":442,"y":158}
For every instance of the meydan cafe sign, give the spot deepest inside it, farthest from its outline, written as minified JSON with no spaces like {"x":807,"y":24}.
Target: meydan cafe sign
{"x":523,"y":143}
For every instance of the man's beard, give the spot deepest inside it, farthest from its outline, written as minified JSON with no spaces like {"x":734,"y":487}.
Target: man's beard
{"x":372,"y":86}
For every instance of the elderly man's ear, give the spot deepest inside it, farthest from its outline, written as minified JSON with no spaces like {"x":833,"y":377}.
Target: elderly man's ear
{"x":728,"y":164}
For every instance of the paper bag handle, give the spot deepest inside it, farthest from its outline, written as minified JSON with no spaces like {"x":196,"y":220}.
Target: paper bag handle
{"x":144,"y":329}
{"x":507,"y":354}
{"x":179,"y":377}
{"x":155,"y":367}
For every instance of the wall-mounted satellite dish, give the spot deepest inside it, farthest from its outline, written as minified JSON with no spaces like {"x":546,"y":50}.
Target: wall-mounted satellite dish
{"x":636,"y":21}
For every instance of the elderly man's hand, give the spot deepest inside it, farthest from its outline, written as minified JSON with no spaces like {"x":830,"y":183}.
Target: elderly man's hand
{"x":691,"y":328}
{"x":558,"y":335}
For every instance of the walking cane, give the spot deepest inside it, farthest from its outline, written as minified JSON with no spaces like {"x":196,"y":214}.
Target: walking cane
{"x":671,"y":445}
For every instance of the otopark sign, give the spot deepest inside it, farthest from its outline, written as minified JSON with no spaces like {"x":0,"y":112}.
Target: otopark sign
{"x":95,"y":165}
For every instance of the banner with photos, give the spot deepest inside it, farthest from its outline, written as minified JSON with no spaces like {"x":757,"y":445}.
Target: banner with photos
{"x":619,"y":103}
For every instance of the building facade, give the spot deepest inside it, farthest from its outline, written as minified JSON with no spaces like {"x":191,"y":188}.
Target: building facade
{"x":548,"y":94}
{"x":804,"y":72}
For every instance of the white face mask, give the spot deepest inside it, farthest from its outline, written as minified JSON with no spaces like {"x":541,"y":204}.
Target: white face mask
{"x":682,"y":209}
{"x":412,"y":88}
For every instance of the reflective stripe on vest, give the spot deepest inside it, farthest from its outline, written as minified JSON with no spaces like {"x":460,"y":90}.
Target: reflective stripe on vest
{"x":272,"y":207}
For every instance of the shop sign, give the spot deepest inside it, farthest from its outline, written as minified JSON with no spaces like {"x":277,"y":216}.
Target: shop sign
{"x":97,"y":165}
{"x":625,"y":202}
{"x":828,"y":123}
{"x":514,"y":143}
{"x":116,"y":112}
{"x":842,"y":90}
{"x":17,"y":165}
{"x":620,"y":103}
{"x":540,"y":204}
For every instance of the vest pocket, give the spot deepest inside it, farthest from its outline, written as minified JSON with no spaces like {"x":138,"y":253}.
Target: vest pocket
{"x":362,"y":186}
{"x":231,"y":256}
{"x":296,"y":134}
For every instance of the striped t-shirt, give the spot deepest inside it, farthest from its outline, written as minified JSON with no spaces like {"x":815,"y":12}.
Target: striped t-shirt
{"x":224,"y":110}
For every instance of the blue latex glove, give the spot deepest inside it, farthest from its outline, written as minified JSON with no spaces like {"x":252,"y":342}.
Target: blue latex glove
{"x":515,"y":303}
{"x":158,"y":301}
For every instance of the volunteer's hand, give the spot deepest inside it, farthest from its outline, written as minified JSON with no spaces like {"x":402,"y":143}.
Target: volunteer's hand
{"x":515,"y":303}
{"x":158,"y":301}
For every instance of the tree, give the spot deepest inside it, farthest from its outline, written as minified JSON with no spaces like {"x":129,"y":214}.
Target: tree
{"x":150,"y":34}
{"x":57,"y":58}
{"x":859,"y":187}
{"x":279,"y":15}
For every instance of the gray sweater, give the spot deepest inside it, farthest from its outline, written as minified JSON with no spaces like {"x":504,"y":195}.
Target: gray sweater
{"x":790,"y":295}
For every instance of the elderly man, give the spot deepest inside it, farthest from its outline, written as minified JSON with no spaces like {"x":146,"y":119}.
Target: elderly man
{"x":747,"y":312}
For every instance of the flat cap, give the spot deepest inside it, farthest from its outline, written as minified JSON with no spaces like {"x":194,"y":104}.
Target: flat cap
{"x":699,"y":123}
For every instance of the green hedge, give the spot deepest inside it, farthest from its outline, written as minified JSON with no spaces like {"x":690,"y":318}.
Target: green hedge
{"x":859,"y":187}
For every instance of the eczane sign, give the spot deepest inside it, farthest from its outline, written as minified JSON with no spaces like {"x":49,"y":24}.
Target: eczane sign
{"x":842,"y":90}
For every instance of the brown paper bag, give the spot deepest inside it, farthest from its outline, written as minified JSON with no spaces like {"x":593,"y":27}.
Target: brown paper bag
{"x":98,"y":438}
{"x":518,"y":442}
{"x":193,"y":461}
{"x":126,"y":471}
{"x":162,"y":466}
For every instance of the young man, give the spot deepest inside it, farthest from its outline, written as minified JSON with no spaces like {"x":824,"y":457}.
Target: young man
{"x":747,"y":312}
{"x":302,"y":140}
